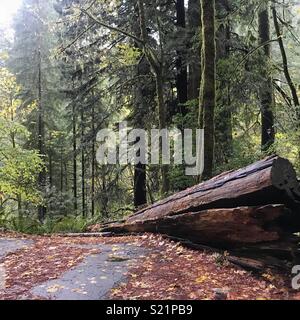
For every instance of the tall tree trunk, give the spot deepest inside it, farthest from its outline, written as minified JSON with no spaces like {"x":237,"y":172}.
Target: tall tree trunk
{"x":66,"y":176}
{"x":50,"y":169}
{"x":140,"y":191}
{"x":142,"y":94}
{"x":224,"y":115}
{"x":12,"y":118}
{"x":74,"y":159}
{"x":285,"y":60}
{"x":13,"y":140}
{"x":266,"y":92}
{"x":182,"y":74}
{"x":194,"y":24}
{"x":20,"y":210}
{"x":208,"y":84}
{"x":165,"y":185}
{"x":93,"y":162}
{"x":61,"y":171}
{"x":41,"y":137}
{"x":83,"y":166}
{"x":104,"y":195}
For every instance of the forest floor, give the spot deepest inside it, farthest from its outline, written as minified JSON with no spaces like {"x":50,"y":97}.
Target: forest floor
{"x":129,"y":267}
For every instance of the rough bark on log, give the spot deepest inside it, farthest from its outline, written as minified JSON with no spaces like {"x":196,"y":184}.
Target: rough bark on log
{"x":234,"y":211}
{"x":272,"y":180}
{"x":221,"y":227}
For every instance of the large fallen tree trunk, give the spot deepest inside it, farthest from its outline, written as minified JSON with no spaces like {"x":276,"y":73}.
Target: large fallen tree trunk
{"x":269,"y":181}
{"x":220,"y":227}
{"x":234,"y":208}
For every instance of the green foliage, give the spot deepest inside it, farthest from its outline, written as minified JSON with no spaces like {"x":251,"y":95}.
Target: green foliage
{"x":287,"y":146}
{"x":246,"y":150}
{"x":19,"y":167}
{"x":128,"y":55}
{"x":30,"y":225}
{"x":58,"y":203}
{"x":66,"y":224}
{"x":178,"y":179}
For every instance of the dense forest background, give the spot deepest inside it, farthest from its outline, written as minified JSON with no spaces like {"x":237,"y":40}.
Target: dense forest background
{"x":72,"y":67}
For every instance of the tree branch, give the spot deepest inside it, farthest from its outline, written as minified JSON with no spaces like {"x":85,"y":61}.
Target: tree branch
{"x":105,"y":25}
{"x":77,"y":38}
{"x":254,"y":50}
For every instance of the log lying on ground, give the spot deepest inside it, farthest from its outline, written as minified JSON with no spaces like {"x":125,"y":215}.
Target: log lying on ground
{"x":251,"y":212}
{"x":234,"y":207}
{"x":272,"y":180}
{"x":220,"y":227}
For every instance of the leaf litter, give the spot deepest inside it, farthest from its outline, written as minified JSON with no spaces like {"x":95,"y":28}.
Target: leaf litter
{"x":169,"y":271}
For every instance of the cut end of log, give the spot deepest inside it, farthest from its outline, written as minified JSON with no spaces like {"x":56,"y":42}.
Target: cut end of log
{"x":284,"y":178}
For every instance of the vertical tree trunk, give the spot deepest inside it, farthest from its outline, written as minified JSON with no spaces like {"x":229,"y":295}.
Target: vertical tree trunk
{"x":223,"y":121}
{"x":93,"y":162}
{"x":12,"y":118}
{"x":165,"y":185}
{"x":285,"y":60}
{"x":61,"y":171}
{"x":142,"y":94}
{"x":182,"y":74}
{"x":20,"y":210}
{"x":104,"y":196}
{"x":208,"y":84}
{"x":50,"y":169}
{"x":41,"y":137}
{"x":13,"y":140}
{"x":83,"y":166}
{"x":140,"y":194}
{"x":266,"y":92}
{"x":74,"y":160}
{"x":66,"y":176}
{"x":194,"y":24}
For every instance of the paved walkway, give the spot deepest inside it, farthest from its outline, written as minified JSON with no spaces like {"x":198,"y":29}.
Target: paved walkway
{"x":92,"y":279}
{"x":10,"y":245}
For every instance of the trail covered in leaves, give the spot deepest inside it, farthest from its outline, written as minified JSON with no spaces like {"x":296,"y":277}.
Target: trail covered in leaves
{"x":167,"y":271}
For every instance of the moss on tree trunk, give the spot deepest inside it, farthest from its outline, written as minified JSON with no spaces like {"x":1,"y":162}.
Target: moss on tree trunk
{"x":208,"y":84}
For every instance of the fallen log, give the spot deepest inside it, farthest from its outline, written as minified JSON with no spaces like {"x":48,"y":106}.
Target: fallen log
{"x":235,"y":211}
{"x":272,"y":180}
{"x":221,"y":227}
